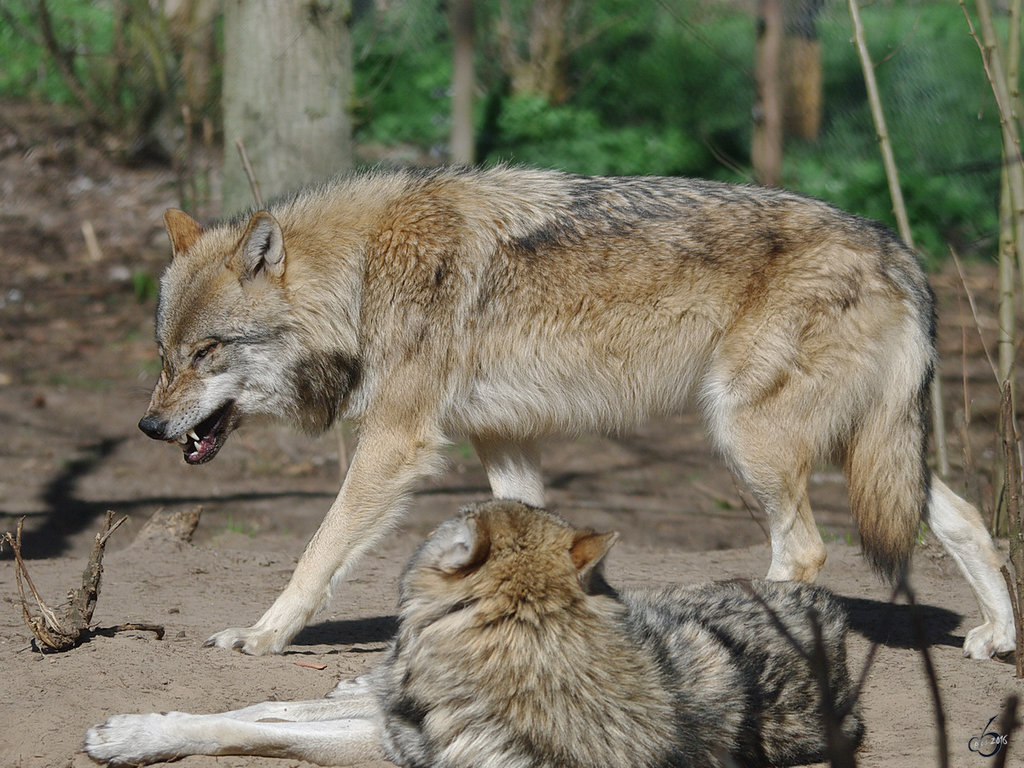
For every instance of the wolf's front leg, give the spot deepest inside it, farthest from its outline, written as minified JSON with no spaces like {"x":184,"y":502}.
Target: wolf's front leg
{"x":513,"y":469}
{"x":372,"y":498}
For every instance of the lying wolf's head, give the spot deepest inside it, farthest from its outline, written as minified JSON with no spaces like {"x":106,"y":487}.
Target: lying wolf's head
{"x":505,"y":559}
{"x":231,"y":340}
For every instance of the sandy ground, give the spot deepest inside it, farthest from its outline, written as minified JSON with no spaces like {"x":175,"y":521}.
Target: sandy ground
{"x":48,"y":701}
{"x":76,"y":365}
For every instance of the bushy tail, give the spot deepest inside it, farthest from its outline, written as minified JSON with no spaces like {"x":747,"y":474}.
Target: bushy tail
{"x":888,"y":476}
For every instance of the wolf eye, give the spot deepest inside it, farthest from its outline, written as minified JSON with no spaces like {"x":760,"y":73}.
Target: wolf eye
{"x":200,"y":354}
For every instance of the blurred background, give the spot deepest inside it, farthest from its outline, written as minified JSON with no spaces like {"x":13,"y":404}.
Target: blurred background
{"x":112,"y":111}
{"x":672,"y":87}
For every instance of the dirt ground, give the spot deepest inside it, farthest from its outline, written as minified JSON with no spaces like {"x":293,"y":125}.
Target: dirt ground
{"x":77,"y":362}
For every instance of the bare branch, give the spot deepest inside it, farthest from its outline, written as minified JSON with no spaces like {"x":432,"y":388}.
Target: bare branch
{"x":254,"y":185}
{"x":72,"y":626}
{"x":974,"y":312}
{"x":64,"y":60}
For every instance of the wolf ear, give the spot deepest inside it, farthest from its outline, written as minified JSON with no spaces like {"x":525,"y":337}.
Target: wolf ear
{"x":262,"y":247}
{"x":182,"y":229}
{"x":588,"y":549}
{"x":466,"y":546}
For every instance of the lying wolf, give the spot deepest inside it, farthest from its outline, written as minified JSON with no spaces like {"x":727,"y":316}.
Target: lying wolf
{"x":513,"y":652}
{"x":505,"y":305}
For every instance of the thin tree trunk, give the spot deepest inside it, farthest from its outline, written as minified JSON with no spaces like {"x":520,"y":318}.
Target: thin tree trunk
{"x":766,"y":148}
{"x":287,"y":88}
{"x":1011,"y":460}
{"x":1005,"y":344}
{"x":881,"y":131}
{"x":1007,"y":236}
{"x":463,"y":85}
{"x":542,"y":71}
{"x":801,"y":69}
{"x":1014,"y":164}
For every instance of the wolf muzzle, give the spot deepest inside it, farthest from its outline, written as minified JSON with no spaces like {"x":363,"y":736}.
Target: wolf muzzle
{"x":153,"y":427}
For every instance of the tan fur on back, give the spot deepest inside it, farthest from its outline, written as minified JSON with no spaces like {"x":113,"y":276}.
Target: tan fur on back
{"x":505,"y":305}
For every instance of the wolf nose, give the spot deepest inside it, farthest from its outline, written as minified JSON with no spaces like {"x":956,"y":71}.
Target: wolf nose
{"x":153,"y":427}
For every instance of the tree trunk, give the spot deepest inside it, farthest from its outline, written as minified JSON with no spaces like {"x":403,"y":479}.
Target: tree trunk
{"x":460,"y":18}
{"x":287,"y":88}
{"x":766,"y":149}
{"x":544,"y":68}
{"x":801,"y":69}
{"x":191,"y":26}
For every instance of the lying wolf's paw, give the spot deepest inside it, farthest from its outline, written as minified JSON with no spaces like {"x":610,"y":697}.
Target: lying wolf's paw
{"x":358,"y":686}
{"x":250,"y":640}
{"x":135,"y":739}
{"x":990,"y":639}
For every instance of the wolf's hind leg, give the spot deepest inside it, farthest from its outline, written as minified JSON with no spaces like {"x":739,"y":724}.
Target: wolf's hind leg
{"x":349,"y":699}
{"x":513,"y":469}
{"x":775,"y":466}
{"x":798,"y":553}
{"x":958,"y":526}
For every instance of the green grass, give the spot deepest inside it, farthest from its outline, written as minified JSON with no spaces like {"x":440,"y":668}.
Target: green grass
{"x":833,"y":538}
{"x":239,"y":526}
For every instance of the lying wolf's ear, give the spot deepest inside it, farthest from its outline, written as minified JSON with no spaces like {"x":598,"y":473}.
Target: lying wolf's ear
{"x":182,"y":229}
{"x":465,"y":546}
{"x":588,"y":549}
{"x":262,"y":247}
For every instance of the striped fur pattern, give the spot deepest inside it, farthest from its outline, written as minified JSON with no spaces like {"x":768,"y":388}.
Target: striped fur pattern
{"x":514,"y":652}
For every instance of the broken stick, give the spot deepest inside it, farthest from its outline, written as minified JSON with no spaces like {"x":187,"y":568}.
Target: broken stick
{"x":72,"y":626}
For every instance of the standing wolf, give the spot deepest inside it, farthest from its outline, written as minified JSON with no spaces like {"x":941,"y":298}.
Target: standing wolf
{"x":505,"y":305}
{"x":513,"y":652}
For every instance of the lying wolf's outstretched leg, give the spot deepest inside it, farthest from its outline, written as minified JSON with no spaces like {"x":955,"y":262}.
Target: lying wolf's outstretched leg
{"x":338,"y":730}
{"x":158,"y":737}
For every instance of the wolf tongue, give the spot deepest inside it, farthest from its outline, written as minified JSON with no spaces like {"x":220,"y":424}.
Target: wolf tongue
{"x":197,"y":448}
{"x":203,"y":446}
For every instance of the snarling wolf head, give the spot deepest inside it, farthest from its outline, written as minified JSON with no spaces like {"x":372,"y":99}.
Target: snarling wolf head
{"x":233,"y":340}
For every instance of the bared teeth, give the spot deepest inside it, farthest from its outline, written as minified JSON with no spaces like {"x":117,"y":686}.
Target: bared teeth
{"x":183,"y":439}
{"x":192,"y":434}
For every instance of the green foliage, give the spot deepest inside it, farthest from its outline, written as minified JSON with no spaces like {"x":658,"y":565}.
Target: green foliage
{"x":576,"y":139}
{"x":661,"y":87}
{"x":144,"y":285}
{"x":667,"y":88}
{"x":27,"y":70}
{"x":647,"y":99}
{"x":111,"y":60}
{"x":942,"y":124}
{"x":676,"y":77}
{"x":402,"y":76}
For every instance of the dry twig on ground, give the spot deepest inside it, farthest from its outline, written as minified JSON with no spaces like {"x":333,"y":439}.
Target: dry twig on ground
{"x":71,"y":627}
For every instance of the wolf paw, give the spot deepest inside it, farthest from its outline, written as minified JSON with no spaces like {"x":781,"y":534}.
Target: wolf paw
{"x":250,"y":640}
{"x":990,"y":639}
{"x":356,"y":687}
{"x":133,"y":740}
